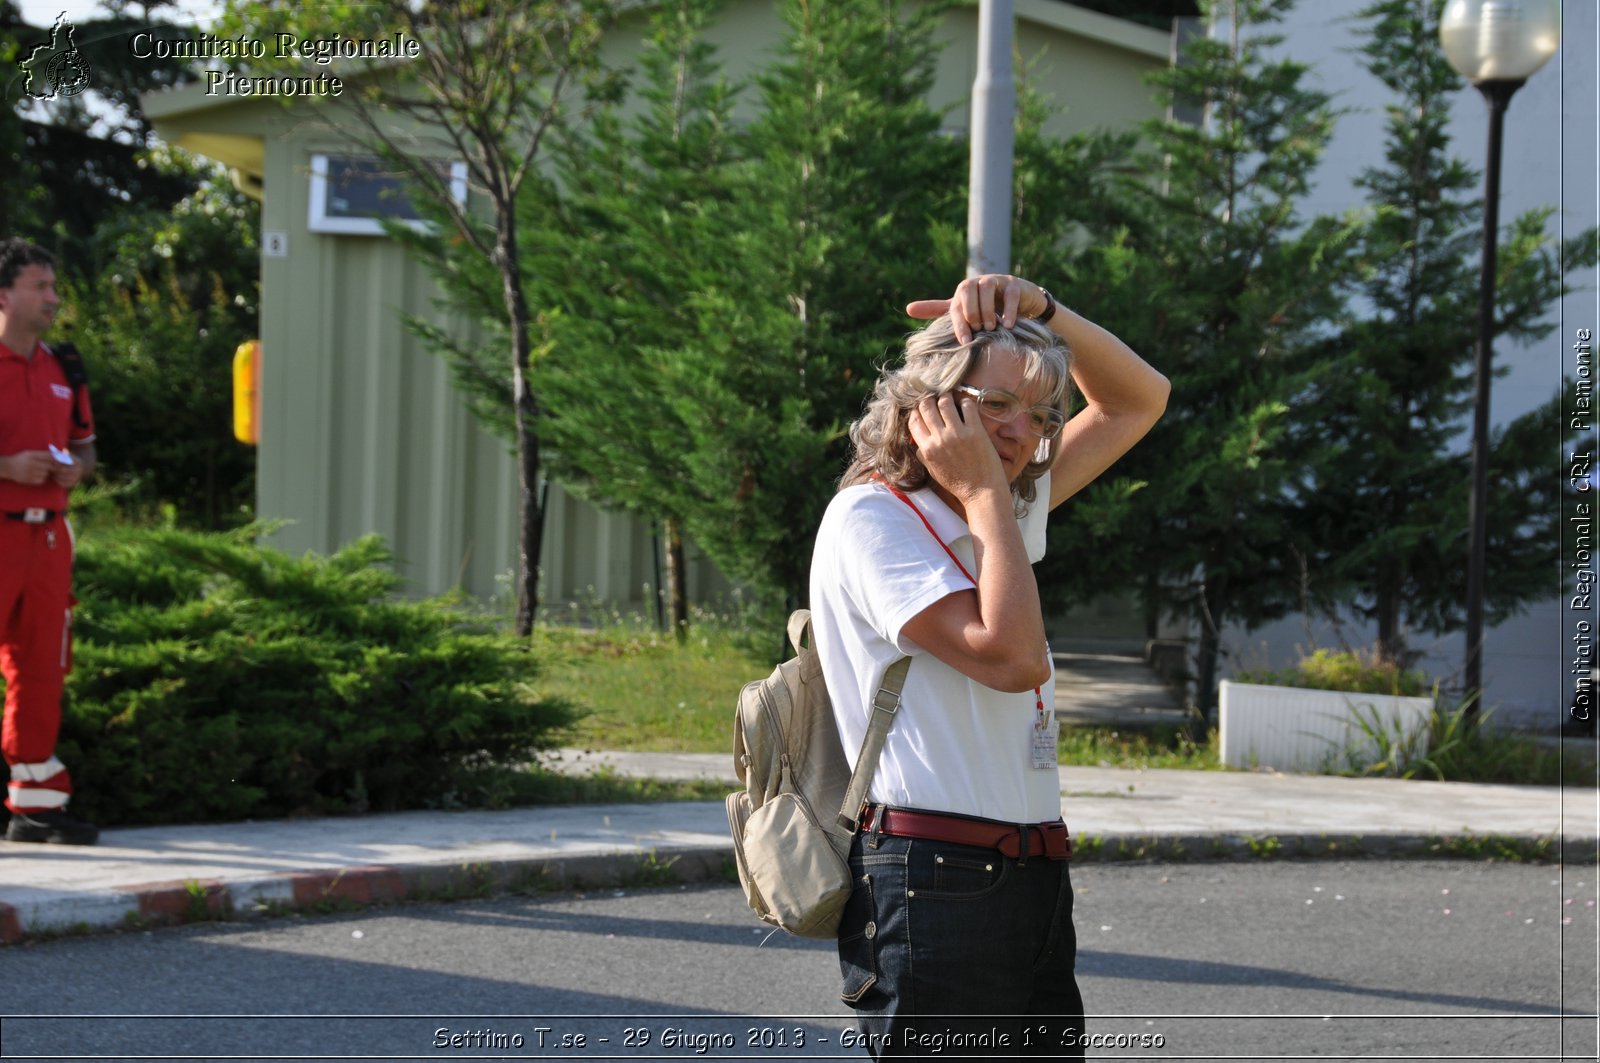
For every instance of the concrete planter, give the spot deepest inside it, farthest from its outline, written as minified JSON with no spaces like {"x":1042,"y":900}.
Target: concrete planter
{"x":1292,"y":729}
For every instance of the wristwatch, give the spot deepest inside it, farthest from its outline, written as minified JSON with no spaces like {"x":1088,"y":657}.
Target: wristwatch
{"x":1049,"y":307}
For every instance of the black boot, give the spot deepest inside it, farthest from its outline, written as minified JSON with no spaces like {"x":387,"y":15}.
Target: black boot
{"x":50,"y":825}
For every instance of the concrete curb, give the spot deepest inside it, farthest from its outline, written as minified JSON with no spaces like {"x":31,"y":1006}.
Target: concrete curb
{"x":356,"y":888}
{"x":1195,"y":848}
{"x":351,"y":889}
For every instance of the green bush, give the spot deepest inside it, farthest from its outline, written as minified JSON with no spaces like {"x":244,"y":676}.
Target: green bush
{"x":1454,"y":748}
{"x":1348,"y":670}
{"x":218,"y":679}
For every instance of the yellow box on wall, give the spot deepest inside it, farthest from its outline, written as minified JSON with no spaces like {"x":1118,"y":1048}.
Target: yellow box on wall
{"x":247,"y":392}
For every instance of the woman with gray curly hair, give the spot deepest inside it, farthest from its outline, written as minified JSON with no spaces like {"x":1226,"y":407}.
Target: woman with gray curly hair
{"x":936,"y":363}
{"x":926,"y":552}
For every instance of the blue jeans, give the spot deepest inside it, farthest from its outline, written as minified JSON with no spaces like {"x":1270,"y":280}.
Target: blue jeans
{"x":952,"y":949}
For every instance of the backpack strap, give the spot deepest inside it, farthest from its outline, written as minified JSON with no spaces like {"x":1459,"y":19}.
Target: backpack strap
{"x":800,"y":639}
{"x":885,"y":704}
{"x":72,"y":367}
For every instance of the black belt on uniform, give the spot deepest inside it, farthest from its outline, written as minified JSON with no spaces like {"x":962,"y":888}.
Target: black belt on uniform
{"x":1050,"y":840}
{"x":35,"y":515}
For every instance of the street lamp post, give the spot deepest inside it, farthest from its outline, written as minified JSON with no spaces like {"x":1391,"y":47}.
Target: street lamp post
{"x":1497,"y":45}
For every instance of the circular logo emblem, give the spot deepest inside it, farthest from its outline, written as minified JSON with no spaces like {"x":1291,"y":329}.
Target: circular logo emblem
{"x":69,"y":73}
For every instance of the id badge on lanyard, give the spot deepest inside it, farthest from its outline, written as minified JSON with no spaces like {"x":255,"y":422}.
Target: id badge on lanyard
{"x":1045,"y":732}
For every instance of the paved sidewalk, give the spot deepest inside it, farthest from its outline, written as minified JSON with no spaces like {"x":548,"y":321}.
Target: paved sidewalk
{"x":1104,"y":684}
{"x":150,"y":875}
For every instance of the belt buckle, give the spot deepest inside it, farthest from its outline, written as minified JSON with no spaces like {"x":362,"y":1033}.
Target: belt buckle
{"x":35,"y":515}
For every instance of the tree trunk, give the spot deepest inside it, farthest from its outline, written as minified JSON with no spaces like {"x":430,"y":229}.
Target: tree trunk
{"x":677,"y":595}
{"x":1213,"y":602}
{"x":1152,"y":606}
{"x":213,"y":504}
{"x":1391,"y":643}
{"x":530,"y":523}
{"x":1205,"y":685}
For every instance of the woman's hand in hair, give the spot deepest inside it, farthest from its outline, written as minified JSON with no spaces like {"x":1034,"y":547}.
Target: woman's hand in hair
{"x":981,"y":303}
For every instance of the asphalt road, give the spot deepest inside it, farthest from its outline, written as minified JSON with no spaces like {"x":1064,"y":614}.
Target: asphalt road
{"x":1269,"y":960}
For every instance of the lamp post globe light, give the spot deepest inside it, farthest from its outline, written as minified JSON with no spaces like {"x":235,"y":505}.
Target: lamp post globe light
{"x":1499,"y":40}
{"x":1497,"y":45}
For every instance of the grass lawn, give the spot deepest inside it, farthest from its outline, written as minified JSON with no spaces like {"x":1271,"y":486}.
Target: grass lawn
{"x":641,"y":690}
{"x":1162,"y":747}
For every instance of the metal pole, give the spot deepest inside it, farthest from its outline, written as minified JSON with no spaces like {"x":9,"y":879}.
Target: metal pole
{"x":994,"y":100}
{"x":1498,"y":96}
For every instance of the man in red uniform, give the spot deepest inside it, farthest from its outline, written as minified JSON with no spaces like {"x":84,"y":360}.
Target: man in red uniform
{"x":44,"y":451}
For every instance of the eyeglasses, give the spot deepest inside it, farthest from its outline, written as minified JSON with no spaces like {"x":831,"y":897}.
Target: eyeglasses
{"x":997,"y":405}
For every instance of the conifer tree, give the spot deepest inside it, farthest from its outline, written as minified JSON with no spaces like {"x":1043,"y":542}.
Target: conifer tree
{"x":849,"y":181}
{"x":1070,"y":228}
{"x":768,"y":275}
{"x":632,"y":229}
{"x":1213,"y":275}
{"x":1388,"y":508}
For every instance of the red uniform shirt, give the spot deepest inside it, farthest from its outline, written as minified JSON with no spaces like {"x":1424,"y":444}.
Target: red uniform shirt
{"x":36,"y":414}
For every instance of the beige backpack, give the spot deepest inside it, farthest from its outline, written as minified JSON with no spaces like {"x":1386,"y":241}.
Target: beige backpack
{"x":801,"y":806}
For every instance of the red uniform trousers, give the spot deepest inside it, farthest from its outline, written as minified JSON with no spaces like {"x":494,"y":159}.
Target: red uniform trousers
{"x":35,"y":656}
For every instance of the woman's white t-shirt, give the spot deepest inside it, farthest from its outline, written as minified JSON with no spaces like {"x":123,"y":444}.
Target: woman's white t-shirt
{"x":956,"y":745}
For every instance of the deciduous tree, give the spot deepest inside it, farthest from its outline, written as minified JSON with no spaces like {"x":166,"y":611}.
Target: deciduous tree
{"x":488,"y":83}
{"x":158,"y":326}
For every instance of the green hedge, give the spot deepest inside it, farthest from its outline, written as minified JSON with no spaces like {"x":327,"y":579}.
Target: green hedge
{"x":217,"y":679}
{"x":1349,"y":670}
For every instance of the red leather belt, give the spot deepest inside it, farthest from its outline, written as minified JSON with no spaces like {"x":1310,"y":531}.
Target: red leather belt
{"x":1049,"y":840}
